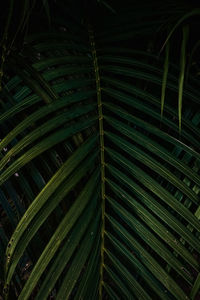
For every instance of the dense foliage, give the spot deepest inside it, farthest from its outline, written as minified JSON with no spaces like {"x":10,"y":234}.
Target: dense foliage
{"x":99,"y":141}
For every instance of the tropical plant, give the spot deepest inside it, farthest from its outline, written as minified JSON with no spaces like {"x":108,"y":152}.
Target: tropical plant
{"x":99,"y":192}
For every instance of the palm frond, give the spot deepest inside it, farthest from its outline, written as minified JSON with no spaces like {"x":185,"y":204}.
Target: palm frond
{"x":101,"y":196}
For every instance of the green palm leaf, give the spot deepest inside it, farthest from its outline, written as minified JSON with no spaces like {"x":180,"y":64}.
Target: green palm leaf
{"x":110,"y":205}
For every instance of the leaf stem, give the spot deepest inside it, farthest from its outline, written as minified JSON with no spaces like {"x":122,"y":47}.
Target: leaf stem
{"x":101,"y":133}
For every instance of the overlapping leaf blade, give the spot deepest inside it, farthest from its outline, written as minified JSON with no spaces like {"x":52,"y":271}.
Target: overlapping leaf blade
{"x":150,"y":227}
